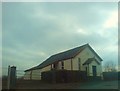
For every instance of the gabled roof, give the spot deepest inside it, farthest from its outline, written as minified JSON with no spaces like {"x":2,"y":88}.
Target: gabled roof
{"x":62,"y":56}
{"x":89,"y":60}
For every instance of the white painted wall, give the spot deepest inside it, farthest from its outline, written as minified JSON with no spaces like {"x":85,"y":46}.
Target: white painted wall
{"x":35,"y":74}
{"x":67,"y":64}
{"x":59,"y":65}
{"x":27,"y":75}
{"x":47,"y":68}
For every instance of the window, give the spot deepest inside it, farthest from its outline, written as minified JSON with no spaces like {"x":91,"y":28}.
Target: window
{"x":86,"y":70}
{"x":62,"y":63}
{"x":54,"y":66}
{"x":51,"y":66}
{"x":79,"y":63}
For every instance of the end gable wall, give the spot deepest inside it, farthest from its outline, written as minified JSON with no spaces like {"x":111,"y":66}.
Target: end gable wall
{"x":84,"y":55}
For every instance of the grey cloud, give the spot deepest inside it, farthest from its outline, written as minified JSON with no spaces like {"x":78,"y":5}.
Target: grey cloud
{"x":30,"y":28}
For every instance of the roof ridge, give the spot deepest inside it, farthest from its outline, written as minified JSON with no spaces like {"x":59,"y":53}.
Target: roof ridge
{"x":70,"y":49}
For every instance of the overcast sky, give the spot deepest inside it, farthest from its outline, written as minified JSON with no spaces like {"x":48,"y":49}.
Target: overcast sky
{"x":32,"y":32}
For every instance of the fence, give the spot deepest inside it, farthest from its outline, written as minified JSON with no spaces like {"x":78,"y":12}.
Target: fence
{"x":19,"y":73}
{"x":10,"y":76}
{"x":13,"y":78}
{"x":63,"y":76}
{"x":111,"y":75}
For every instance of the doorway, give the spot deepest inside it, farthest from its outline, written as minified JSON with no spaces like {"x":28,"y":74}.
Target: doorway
{"x":94,"y":71}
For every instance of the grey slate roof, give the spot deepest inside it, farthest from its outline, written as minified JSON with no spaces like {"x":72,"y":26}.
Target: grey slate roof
{"x":61,"y":56}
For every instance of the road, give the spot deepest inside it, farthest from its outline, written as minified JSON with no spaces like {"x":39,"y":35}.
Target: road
{"x":83,"y":85}
{"x":99,"y":85}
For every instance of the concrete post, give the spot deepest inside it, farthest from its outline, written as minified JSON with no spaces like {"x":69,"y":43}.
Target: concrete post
{"x":11,"y":77}
{"x":8,"y":82}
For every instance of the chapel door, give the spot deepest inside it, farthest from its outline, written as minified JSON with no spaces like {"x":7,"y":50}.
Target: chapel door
{"x":94,"y":70}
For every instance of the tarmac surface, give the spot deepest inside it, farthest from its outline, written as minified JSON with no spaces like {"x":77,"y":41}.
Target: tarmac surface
{"x":82,"y":85}
{"x":77,"y":85}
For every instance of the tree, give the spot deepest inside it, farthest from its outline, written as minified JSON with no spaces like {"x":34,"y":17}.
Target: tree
{"x":110,"y":66}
